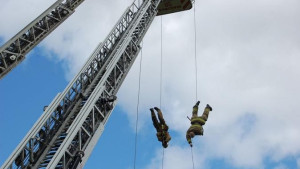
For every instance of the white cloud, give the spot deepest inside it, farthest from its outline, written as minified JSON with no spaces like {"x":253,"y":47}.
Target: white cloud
{"x":74,"y":41}
{"x":247,"y":64}
{"x":248,"y":55}
{"x":15,"y":15}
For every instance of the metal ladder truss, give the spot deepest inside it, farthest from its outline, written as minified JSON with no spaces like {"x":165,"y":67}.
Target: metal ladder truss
{"x":66,"y":133}
{"x":13,"y":51}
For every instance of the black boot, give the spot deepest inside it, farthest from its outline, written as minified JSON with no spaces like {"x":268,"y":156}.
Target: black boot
{"x":208,"y":106}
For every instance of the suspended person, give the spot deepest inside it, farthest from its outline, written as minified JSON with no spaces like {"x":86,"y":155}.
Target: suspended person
{"x":161,"y":127}
{"x":197,"y":122}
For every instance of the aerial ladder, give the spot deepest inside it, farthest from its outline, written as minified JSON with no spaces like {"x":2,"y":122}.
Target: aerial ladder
{"x":13,"y":51}
{"x":69,"y":128}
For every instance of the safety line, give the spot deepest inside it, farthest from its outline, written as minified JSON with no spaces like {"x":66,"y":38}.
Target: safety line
{"x":137,"y":107}
{"x":195,"y":29}
{"x":161,"y":63}
{"x":163,"y":157}
{"x":192,"y":157}
{"x":161,"y":58}
{"x":196,"y":68}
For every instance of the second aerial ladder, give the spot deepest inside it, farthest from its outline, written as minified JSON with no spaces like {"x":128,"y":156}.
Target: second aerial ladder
{"x":71,"y":125}
{"x":13,"y":52}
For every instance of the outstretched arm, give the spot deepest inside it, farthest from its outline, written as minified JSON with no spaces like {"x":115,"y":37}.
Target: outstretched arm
{"x":189,"y":138}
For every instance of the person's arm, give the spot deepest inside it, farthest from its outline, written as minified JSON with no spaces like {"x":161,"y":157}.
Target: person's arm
{"x":189,"y":139}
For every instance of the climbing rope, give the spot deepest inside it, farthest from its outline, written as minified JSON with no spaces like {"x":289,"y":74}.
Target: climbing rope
{"x":161,"y":57}
{"x":163,"y":156}
{"x":196,"y":74}
{"x":137,"y":107}
{"x":192,"y":157}
{"x":160,"y":90}
{"x":195,"y":29}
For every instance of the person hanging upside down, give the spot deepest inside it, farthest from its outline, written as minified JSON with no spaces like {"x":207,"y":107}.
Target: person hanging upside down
{"x":161,"y":127}
{"x":197,"y":122}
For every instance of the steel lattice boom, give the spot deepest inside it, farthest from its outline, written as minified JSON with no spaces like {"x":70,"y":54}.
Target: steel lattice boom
{"x":66,"y":133}
{"x":13,"y":52}
{"x":69,"y":128}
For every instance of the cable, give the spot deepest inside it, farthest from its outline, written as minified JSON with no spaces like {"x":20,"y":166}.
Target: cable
{"x":161,"y":57}
{"x":160,"y":91}
{"x":162,"y":161}
{"x":192,"y":157}
{"x":137,"y":107}
{"x":195,"y":29}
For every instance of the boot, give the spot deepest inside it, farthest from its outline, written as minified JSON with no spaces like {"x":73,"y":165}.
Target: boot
{"x":208,"y":106}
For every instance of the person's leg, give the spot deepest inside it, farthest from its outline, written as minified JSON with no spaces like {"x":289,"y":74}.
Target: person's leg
{"x":154,"y":120}
{"x":195,"y":109}
{"x":160,"y":116}
{"x":206,"y":112}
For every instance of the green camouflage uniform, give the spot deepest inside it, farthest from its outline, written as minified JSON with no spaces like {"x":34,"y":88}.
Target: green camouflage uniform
{"x":197,"y":122}
{"x":161,"y":127}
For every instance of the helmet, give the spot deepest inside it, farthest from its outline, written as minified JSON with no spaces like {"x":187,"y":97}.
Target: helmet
{"x":192,"y":134}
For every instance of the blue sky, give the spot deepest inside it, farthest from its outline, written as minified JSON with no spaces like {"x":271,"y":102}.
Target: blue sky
{"x":248,"y":71}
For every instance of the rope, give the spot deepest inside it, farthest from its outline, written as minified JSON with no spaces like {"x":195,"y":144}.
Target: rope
{"x":137,"y":107}
{"x":196,"y":74}
{"x":195,"y":29}
{"x":192,"y":157}
{"x":161,"y":57}
{"x":163,"y":156}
